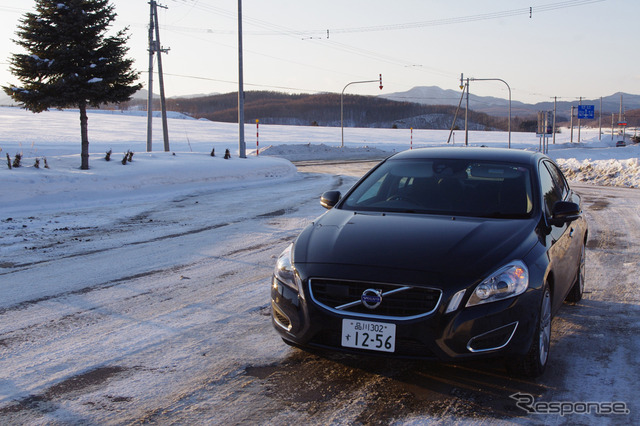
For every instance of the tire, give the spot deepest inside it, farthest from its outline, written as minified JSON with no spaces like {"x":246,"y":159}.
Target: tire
{"x":534,"y":362}
{"x":575,"y":294}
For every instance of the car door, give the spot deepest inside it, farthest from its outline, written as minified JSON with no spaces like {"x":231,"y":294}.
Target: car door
{"x":575,"y":229}
{"x":559,"y":239}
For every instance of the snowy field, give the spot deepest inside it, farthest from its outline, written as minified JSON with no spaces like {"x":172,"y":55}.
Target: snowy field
{"x":139,"y":292}
{"x":55,"y":135}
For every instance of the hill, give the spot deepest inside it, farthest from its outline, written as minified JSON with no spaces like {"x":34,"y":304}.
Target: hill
{"x":432,"y":95}
{"x":324,"y":110}
{"x":420,"y":108}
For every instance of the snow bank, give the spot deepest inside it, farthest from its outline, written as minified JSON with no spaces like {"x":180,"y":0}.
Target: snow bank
{"x":599,"y":162}
{"x":603,"y":172}
{"x":63,"y":184}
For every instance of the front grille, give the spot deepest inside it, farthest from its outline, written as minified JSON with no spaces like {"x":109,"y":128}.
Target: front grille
{"x":398,"y":301}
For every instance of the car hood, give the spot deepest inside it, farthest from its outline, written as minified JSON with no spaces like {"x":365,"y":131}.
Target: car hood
{"x":428,"y":243}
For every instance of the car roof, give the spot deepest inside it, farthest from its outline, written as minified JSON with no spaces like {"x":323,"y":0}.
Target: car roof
{"x":472,"y":153}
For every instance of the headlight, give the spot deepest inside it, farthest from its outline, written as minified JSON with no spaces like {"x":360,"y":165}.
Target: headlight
{"x":508,"y":281}
{"x":285,"y":273}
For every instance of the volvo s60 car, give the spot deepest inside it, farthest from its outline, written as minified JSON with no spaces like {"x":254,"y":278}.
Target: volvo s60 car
{"x":438,"y":253}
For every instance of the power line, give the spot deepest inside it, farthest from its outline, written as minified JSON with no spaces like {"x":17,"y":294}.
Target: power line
{"x":246,"y":84}
{"x":271,"y":29}
{"x":260,"y":53}
{"x":275,"y":29}
{"x":464,"y":19}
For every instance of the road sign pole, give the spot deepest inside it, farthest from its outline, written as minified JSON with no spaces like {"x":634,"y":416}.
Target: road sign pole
{"x":579,"y":122}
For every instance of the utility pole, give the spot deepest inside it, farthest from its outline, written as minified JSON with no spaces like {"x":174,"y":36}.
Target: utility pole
{"x":572,"y":123}
{"x":163,"y":103}
{"x":466,"y":118}
{"x":600,"y":120}
{"x":154,"y":46}
{"x":466,"y":110}
{"x":555,"y":100}
{"x":621,"y":120}
{"x":242,"y":148}
{"x":455,"y":117}
{"x":150,"y":85}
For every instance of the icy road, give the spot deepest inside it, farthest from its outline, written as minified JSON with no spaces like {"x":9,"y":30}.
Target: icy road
{"x":163,"y":317}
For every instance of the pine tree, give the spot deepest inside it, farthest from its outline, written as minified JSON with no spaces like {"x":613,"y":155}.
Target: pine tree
{"x":71,"y":61}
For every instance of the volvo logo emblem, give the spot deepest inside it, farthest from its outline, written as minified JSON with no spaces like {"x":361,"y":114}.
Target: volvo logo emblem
{"x":371,"y":298}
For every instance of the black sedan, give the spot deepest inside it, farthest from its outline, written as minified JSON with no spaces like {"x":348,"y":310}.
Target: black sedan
{"x":438,"y":253}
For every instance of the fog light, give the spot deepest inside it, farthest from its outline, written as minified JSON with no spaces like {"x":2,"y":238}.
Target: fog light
{"x":455,"y":301}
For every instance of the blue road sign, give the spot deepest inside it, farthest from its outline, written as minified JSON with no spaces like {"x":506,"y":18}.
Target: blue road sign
{"x":586,"y":111}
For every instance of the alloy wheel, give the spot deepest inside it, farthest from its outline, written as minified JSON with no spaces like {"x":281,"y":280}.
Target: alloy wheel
{"x":545,"y":327}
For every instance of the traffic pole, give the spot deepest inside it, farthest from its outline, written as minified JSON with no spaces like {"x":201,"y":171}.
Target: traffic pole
{"x":411,"y":144}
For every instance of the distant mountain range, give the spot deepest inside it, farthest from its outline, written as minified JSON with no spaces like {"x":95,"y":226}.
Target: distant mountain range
{"x":426,"y":107}
{"x":498,"y":107}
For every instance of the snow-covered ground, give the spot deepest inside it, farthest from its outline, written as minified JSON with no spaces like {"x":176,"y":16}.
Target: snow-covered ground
{"x":109,"y":272}
{"x":54,"y":135}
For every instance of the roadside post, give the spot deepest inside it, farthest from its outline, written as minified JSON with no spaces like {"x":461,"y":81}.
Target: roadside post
{"x":545,"y":129}
{"x":257,"y":138}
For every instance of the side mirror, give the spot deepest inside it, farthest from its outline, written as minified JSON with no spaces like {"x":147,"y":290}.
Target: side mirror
{"x":564,"y":212}
{"x":330,"y":199}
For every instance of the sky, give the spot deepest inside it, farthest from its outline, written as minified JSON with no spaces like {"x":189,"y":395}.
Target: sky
{"x":541,"y":49}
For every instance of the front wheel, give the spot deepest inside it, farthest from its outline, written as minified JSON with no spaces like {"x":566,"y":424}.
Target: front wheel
{"x":534,"y":362}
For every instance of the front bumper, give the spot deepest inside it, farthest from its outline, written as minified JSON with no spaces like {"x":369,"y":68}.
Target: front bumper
{"x":500,"y":328}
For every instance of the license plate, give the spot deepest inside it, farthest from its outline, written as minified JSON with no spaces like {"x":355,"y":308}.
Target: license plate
{"x":374,"y":336}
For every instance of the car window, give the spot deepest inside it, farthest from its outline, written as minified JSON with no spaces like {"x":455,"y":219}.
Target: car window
{"x":552,"y":190}
{"x":452,"y":187}
{"x":373,"y":190}
{"x":558,"y":179}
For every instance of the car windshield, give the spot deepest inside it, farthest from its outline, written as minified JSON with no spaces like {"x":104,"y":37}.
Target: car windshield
{"x":451,"y":187}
